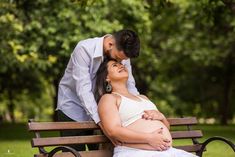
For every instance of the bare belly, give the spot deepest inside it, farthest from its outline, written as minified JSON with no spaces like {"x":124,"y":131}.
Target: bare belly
{"x":149,"y":126}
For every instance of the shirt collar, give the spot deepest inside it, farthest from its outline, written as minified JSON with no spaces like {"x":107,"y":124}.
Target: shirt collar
{"x":99,"y":50}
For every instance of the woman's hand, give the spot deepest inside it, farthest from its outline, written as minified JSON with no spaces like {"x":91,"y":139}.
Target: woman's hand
{"x":158,"y":141}
{"x":153,"y":115}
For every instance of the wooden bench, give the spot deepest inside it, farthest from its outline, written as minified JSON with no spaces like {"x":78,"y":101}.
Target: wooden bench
{"x":61,"y":143}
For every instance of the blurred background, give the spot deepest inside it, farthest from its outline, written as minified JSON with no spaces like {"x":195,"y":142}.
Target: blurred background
{"x":186,"y":65}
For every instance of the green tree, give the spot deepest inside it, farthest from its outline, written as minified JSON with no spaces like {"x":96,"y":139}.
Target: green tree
{"x":186,"y":63}
{"x":194,"y":44}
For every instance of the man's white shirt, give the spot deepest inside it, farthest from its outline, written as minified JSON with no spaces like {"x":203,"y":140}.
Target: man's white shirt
{"x":75,"y":93}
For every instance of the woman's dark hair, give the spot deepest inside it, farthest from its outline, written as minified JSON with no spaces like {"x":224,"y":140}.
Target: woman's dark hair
{"x":101,"y":82}
{"x":127,"y":41}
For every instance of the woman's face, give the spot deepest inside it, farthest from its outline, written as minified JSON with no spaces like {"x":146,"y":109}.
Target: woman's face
{"x":116,"y":71}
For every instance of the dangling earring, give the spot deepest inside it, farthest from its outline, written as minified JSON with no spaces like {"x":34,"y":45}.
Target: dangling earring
{"x":108,"y":88}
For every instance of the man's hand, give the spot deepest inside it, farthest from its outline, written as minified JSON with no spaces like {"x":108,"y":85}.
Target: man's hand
{"x":153,"y":115}
{"x":158,"y":141}
{"x":114,"y":141}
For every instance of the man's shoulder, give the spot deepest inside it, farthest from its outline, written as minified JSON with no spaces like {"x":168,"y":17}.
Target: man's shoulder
{"x":88,"y":42}
{"x":87,"y":45}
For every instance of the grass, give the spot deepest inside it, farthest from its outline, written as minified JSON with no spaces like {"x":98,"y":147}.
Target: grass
{"x":215,"y":148}
{"x":15,"y":140}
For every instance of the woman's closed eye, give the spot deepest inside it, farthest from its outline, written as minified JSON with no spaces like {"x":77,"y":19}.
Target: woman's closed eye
{"x":116,"y":64}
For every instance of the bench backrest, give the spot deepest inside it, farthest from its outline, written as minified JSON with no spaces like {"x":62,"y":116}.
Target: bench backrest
{"x":41,"y":142}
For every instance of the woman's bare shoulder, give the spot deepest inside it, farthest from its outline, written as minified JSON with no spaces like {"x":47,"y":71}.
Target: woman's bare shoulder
{"x":107,"y":102}
{"x":108,"y":98}
{"x":144,"y":97}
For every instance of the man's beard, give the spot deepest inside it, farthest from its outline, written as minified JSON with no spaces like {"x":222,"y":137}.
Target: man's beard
{"x":107,"y":55}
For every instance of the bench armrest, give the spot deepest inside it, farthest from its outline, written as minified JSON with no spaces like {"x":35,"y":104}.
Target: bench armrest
{"x":63,"y":148}
{"x":204,"y":144}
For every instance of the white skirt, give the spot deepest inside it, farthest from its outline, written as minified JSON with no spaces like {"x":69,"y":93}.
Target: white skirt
{"x":122,"y":151}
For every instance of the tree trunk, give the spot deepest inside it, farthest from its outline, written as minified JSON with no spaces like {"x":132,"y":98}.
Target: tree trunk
{"x":11,"y":106}
{"x":224,"y":109}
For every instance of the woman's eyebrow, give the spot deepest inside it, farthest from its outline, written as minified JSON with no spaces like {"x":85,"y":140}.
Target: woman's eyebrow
{"x":114,"y":63}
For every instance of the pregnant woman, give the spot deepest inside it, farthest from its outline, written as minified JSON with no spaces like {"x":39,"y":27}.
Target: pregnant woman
{"x":136,"y":113}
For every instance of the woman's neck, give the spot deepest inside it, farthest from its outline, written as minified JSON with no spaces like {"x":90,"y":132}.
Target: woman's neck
{"x":120,"y":88}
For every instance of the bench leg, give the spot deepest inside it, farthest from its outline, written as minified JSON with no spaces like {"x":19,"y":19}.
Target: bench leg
{"x":204,"y":144}
{"x":61,"y":148}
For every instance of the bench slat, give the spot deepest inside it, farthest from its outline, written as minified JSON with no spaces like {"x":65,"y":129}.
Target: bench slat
{"x":55,"y":141}
{"x":182,"y":121}
{"x":93,"y":153}
{"x":190,"y":148}
{"x":107,"y":153}
{"x":101,"y":153}
{"x":36,"y":127}
{"x":186,"y":134}
{"x":49,"y":126}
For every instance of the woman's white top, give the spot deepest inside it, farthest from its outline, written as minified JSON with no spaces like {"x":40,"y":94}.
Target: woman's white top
{"x":131,"y":110}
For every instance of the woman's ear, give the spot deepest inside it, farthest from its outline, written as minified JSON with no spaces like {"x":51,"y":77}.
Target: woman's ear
{"x":107,"y":78}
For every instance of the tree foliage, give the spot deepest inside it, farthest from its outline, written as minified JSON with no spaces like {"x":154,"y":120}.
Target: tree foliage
{"x":187,"y":51}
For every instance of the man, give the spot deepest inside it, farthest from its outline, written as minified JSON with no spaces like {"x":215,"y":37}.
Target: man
{"x":76,"y":101}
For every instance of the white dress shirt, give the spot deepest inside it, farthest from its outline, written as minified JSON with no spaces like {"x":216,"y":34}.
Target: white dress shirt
{"x":75,"y":93}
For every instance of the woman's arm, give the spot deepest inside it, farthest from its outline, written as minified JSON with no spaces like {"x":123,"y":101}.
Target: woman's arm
{"x":165,"y":121}
{"x":155,"y":115}
{"x":111,"y":124}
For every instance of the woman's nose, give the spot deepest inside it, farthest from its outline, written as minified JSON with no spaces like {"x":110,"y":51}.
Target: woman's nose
{"x":121,"y":66}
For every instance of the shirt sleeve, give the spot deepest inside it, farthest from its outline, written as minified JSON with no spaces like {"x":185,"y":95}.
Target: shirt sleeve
{"x":80,"y":73}
{"x":131,"y":81}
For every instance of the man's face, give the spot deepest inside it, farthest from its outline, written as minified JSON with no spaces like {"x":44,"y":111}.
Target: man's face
{"x":114,"y":53}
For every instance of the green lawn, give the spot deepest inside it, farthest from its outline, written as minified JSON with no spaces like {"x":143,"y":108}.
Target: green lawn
{"x":15,"y":140}
{"x":216,"y":148}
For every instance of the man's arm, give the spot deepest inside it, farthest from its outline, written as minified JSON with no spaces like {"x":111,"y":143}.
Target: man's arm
{"x":132,"y":89}
{"x":131,"y":81}
{"x":80,"y":73}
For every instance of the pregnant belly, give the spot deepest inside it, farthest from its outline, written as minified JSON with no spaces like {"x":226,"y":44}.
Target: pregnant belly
{"x":149,"y":126}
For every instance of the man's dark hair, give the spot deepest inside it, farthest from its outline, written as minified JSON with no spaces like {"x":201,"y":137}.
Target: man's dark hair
{"x":127,"y":41}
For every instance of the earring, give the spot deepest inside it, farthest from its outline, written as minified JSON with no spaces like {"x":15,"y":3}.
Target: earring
{"x":108,"y":88}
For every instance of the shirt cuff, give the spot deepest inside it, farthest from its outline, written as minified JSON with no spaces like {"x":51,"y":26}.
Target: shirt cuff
{"x":96,"y":118}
